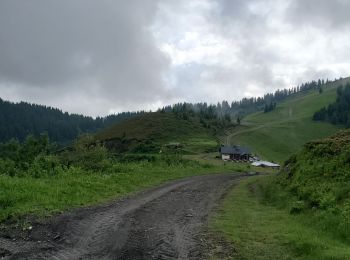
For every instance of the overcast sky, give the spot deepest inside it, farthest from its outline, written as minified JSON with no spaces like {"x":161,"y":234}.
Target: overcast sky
{"x":102,"y":56}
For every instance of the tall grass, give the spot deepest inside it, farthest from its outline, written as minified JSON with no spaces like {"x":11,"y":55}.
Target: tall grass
{"x":260,"y":230}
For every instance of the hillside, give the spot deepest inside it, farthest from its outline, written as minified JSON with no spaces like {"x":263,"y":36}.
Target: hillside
{"x":301,"y":212}
{"x":151,"y":132}
{"x":319,"y":174}
{"x":316,"y":183}
{"x":18,"y":120}
{"x":279,"y":133}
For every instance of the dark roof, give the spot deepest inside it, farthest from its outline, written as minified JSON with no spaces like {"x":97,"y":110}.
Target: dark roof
{"x":234,"y":150}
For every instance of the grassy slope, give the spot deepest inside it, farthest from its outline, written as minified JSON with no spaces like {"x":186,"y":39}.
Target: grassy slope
{"x":316,"y":182}
{"x":163,"y":128}
{"x":261,"y":231}
{"x":278,"y":134}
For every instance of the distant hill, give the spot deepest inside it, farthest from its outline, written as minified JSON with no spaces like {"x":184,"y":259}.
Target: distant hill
{"x":18,"y":120}
{"x":277,"y":134}
{"x":151,"y":132}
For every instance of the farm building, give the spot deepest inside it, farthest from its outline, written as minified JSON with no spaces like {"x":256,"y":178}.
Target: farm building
{"x":235,"y":152}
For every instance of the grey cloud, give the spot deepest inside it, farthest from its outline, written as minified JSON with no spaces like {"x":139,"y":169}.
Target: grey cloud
{"x":240,"y":12}
{"x":94,"y":56}
{"x":319,"y":13}
{"x":232,"y":8}
{"x":59,"y":45}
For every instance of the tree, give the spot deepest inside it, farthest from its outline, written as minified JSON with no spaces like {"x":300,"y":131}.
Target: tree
{"x":238,"y":120}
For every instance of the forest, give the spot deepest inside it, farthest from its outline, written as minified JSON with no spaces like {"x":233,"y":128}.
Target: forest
{"x":18,"y":120}
{"x":338,"y":112}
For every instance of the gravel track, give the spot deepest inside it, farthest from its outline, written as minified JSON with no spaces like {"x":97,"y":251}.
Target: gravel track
{"x":161,"y":223}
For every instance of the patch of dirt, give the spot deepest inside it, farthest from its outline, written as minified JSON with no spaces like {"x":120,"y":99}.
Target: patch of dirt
{"x":216,"y":246}
{"x":162,"y":223}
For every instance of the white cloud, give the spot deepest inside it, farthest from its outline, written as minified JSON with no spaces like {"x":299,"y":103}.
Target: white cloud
{"x":109,"y":56}
{"x":229,"y":49}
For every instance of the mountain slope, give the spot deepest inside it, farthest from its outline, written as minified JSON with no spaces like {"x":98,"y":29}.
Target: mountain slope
{"x":278,"y":134}
{"x":152,"y":131}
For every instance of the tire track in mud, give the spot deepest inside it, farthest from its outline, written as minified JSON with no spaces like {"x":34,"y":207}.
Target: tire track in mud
{"x":161,"y":223}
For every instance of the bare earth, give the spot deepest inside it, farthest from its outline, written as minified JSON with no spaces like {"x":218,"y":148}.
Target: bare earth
{"x":162,"y":223}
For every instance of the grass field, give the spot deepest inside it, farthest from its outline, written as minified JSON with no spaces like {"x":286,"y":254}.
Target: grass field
{"x":278,"y":134}
{"x":260,"y":231}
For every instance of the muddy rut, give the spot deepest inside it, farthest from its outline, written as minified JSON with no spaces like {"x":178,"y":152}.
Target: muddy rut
{"x":161,"y":223}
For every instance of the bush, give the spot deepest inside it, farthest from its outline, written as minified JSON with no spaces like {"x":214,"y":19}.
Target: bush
{"x":7,"y":167}
{"x":297,"y":207}
{"x":87,"y":154}
{"x":44,"y":166}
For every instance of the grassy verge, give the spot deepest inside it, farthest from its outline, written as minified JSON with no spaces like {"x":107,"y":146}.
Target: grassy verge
{"x":74,"y":187}
{"x":261,"y":231}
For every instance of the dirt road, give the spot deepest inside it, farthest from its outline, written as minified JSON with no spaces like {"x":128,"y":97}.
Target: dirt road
{"x":161,"y":223}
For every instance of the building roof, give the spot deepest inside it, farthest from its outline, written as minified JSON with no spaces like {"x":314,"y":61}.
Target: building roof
{"x":234,"y":150}
{"x":265,"y":163}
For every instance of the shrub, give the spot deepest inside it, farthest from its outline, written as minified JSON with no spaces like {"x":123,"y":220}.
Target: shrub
{"x":7,"y":167}
{"x":45,"y":165}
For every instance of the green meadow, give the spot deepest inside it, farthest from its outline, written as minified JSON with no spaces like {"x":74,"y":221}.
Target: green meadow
{"x":278,"y":134}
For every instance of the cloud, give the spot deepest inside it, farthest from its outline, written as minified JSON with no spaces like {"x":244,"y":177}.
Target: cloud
{"x":229,"y":49}
{"x":81,"y":50}
{"x":322,"y":13}
{"x":97,"y":57}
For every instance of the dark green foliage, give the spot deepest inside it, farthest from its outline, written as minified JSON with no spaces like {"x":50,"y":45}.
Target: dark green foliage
{"x":27,"y":151}
{"x":238,"y":120}
{"x":17,"y":120}
{"x":147,"y":146}
{"x":317,"y":182}
{"x":128,"y":158}
{"x":270,"y":107}
{"x":86,"y":154}
{"x":338,"y":112}
{"x":33,"y":157}
{"x":37,"y":157}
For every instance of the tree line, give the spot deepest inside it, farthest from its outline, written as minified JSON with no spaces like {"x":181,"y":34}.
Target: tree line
{"x":18,"y":120}
{"x":338,"y":112}
{"x":237,"y":109}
